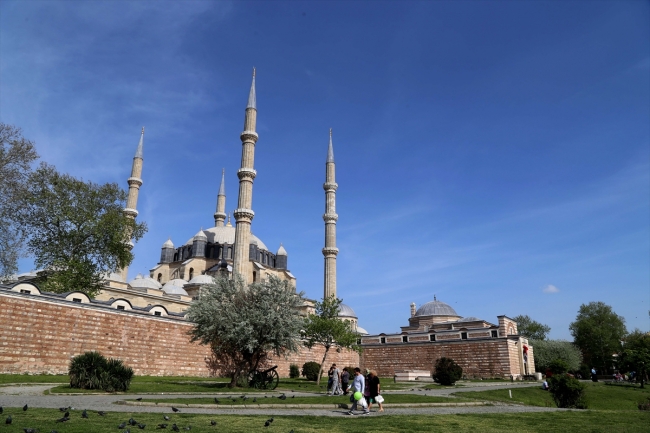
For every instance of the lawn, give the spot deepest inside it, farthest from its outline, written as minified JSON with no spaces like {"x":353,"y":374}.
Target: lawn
{"x":236,"y":400}
{"x":598,"y":395}
{"x":33,"y":378}
{"x":576,"y":422}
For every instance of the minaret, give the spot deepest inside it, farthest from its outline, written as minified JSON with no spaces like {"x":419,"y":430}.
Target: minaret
{"x":220,"y":214}
{"x":244,"y":213}
{"x":330,"y":217}
{"x":135,"y":182}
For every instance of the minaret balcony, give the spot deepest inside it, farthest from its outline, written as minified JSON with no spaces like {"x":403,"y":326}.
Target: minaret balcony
{"x":330,"y":218}
{"x":246,"y":173}
{"x":249,"y":136}
{"x":131,"y":212}
{"x":330,"y":251}
{"x":134,"y":181}
{"x":330,"y":186}
{"x":244,"y":214}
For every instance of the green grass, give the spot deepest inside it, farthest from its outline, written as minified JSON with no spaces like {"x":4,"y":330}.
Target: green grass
{"x":223,"y":401}
{"x":437,"y":386}
{"x":32,"y":378}
{"x":576,"y":422}
{"x":598,"y":396}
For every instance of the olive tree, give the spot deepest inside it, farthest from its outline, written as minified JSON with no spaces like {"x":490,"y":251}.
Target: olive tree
{"x":547,"y":351}
{"x":246,"y":324}
{"x":325,"y":328}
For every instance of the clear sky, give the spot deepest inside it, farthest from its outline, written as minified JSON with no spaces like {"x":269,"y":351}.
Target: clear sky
{"x":495,"y":154}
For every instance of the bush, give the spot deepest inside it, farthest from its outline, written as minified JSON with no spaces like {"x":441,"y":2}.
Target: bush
{"x":92,"y":371}
{"x":310,"y":370}
{"x":446,"y":371}
{"x":567,"y":392}
{"x":558,"y":367}
{"x":294,"y":371}
{"x":547,"y":351}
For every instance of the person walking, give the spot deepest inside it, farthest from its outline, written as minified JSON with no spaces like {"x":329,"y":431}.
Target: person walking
{"x":345,"y":379}
{"x":358,"y":385}
{"x":329,"y":379}
{"x":373,"y":390}
{"x":336,"y":381}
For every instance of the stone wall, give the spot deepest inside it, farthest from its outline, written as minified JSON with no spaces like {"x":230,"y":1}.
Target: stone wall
{"x":482,"y":358}
{"x":40,"y":334}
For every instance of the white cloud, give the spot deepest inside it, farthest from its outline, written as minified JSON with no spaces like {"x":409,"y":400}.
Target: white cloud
{"x":550,"y":289}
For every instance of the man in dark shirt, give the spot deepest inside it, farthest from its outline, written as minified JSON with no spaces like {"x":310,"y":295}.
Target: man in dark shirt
{"x":345,"y":379}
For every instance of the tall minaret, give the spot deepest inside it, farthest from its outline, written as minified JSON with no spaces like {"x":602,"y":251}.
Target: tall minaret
{"x":135,"y":182}
{"x":244,"y":213}
{"x":220,"y":214}
{"x":330,"y":217}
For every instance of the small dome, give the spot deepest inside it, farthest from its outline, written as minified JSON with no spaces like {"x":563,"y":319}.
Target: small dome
{"x":436,"y":308}
{"x":202,"y":279}
{"x":361,"y":331}
{"x":172,"y":289}
{"x":470,"y":319}
{"x":113,"y":276}
{"x":281,"y":251}
{"x":346,"y":311}
{"x":200,"y":236}
{"x":144,"y":283}
{"x":226,"y":235}
{"x":168,"y":244}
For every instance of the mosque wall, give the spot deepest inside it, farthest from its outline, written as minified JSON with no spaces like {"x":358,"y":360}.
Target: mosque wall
{"x":41,"y":335}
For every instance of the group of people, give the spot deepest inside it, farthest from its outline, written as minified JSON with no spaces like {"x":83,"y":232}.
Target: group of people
{"x":364,"y":390}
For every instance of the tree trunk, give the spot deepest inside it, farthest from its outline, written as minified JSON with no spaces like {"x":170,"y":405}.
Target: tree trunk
{"x":320,"y":373}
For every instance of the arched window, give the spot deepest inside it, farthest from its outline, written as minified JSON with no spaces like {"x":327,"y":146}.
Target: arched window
{"x":254,"y":276}
{"x":159,"y":278}
{"x":191,"y":273}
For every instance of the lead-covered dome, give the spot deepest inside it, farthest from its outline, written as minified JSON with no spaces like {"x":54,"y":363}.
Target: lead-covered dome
{"x":226,"y":235}
{"x":347,"y":311}
{"x":140,"y":282}
{"x":172,"y":288}
{"x":202,"y":279}
{"x":436,"y":308}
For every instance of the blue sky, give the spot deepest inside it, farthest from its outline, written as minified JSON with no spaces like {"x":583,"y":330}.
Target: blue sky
{"x":495,"y":154}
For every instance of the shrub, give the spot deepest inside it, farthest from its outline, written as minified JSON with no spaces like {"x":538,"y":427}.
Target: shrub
{"x":567,"y":391}
{"x":92,"y":371}
{"x":547,"y":351}
{"x":310,"y":370}
{"x":446,"y":371}
{"x":294,"y":371}
{"x":558,"y":366}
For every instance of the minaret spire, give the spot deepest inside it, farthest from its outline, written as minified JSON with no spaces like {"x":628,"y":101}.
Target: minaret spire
{"x":330,"y":217}
{"x":244,"y":213}
{"x":135,"y":182}
{"x":220,"y":214}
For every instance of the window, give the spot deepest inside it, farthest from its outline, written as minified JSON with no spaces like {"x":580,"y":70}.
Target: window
{"x":76,"y":300}
{"x":157,"y":313}
{"x":191,"y":273}
{"x":358,"y":341}
{"x":25,"y":291}
{"x":432,"y":337}
{"x":463,"y":335}
{"x":120,"y":307}
{"x":405,"y":339}
{"x":254,"y":276}
{"x":382,"y":340}
{"x":494,"y":334}
{"x":159,"y":277}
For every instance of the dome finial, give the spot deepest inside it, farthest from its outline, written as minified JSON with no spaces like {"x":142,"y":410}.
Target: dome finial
{"x":434,"y":298}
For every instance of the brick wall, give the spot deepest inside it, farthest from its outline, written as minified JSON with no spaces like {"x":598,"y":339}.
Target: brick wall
{"x":41,"y":335}
{"x":488,"y":358}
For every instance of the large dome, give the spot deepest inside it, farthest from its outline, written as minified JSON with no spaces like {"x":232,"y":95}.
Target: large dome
{"x":226,"y":235}
{"x":436,"y":308}
{"x":346,"y":311}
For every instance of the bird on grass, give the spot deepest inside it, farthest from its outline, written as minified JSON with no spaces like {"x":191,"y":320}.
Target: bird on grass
{"x":162,"y":425}
{"x":84,"y":414}
{"x":283,"y":397}
{"x":216,"y":400}
{"x":213,"y":422}
{"x":53,"y":431}
{"x":66,"y":414}
{"x":175,"y":427}
{"x":254,"y":399}
{"x":1,"y":410}
{"x":128,"y":430}
{"x":234,"y":399}
{"x":188,"y":428}
{"x":139,"y":399}
{"x":8,"y":420}
{"x":266,"y":424}
{"x":64,"y":419}
{"x":141,"y":426}
{"x":175,"y":409}
{"x":25,"y":408}
{"x":166,"y":417}
{"x":101,"y":413}
{"x":121,"y":426}
{"x":29,"y":430}
{"x":270,"y":420}
{"x":131,"y":421}
{"x":293,"y":396}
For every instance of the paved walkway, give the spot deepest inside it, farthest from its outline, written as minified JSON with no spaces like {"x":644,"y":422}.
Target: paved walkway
{"x":19,"y":395}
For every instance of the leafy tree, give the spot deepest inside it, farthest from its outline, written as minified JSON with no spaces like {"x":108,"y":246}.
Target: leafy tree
{"x":311,"y":370}
{"x":547,"y":351}
{"x":324,"y":328}
{"x":16,"y":156}
{"x":567,"y":391}
{"x":636,"y":354}
{"x":245,"y":325}
{"x":598,"y":332}
{"x":530,"y":328}
{"x":446,"y":371}
{"x":76,"y":230}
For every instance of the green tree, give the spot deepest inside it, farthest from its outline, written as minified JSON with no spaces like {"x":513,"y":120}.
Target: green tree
{"x":598,"y":332}
{"x":636,"y":354}
{"x":547,"y":351}
{"x":531,"y":329}
{"x":446,"y":371}
{"x":245,"y":325}
{"x":16,"y":157}
{"x":76,"y":230}
{"x":324,"y":328}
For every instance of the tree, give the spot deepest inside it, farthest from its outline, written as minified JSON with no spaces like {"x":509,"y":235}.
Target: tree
{"x":324,"y":328}
{"x":598,"y":332}
{"x":76,"y":230}
{"x":547,"y":351}
{"x":16,"y":156}
{"x":244,"y":325}
{"x":446,"y":371}
{"x":531,"y":329}
{"x":636,"y":354}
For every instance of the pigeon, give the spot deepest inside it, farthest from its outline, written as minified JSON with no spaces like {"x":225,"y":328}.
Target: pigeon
{"x":128,"y":430}
{"x":234,"y":399}
{"x":213,"y":422}
{"x":254,"y":399}
{"x":101,"y":413}
{"x":166,"y":417}
{"x":283,"y":397}
{"x":1,"y":410}
{"x":121,"y":426}
{"x":132,"y":421}
{"x":243,"y":397}
{"x":188,"y":428}
{"x":8,"y":420}
{"x":139,"y":399}
{"x":162,"y":425}
{"x":293,"y":396}
{"x":67,"y":414}
{"x":53,"y":431}
{"x":270,"y":420}
{"x":63,"y":409}
{"x":141,"y":426}
{"x":175,"y":409}
{"x":29,"y":430}
{"x":216,"y":400}
{"x":64,"y":419}
{"x":293,"y":390}
{"x":25,"y":408}
{"x":84,"y":414}
{"x":175,"y":427}
{"x":266,"y":424}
